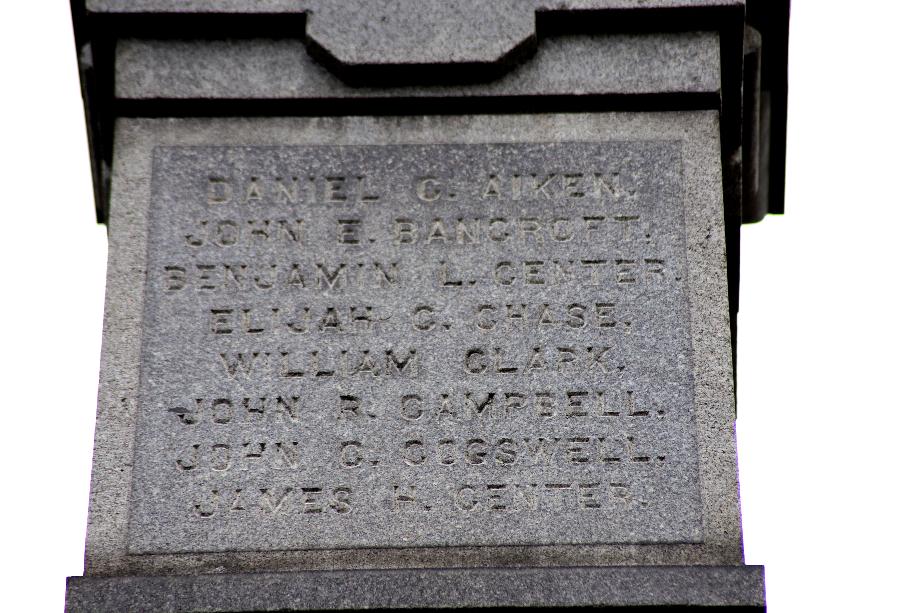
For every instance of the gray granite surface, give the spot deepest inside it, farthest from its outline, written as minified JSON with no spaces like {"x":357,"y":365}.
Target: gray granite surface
{"x":684,"y":587}
{"x":415,"y":345}
{"x":164,"y":393}
{"x":416,"y":361}
{"x":380,"y":32}
{"x":299,"y":6}
{"x":282,"y":69}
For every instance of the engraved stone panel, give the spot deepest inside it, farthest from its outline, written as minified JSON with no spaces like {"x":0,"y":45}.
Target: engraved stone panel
{"x":415,"y":345}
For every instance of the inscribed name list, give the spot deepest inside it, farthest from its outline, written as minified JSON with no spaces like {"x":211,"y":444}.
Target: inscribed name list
{"x":415,"y":345}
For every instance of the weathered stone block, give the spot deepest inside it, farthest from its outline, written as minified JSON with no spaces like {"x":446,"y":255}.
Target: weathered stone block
{"x":418,"y":306}
{"x":415,"y":345}
{"x":353,"y":340}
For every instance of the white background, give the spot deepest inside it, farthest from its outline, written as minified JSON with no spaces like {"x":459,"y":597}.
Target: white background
{"x":828,"y":427}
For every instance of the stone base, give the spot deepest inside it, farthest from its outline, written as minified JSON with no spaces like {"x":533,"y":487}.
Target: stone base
{"x":738,"y":588}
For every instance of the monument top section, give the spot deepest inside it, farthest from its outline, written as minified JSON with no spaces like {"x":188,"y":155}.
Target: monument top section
{"x":293,"y":57}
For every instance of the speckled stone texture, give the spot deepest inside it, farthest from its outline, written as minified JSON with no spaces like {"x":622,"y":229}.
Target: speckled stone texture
{"x":161,"y":353}
{"x":370,"y":343}
{"x":687,"y":588}
{"x":380,"y":32}
{"x":415,"y":345}
{"x":575,"y":64}
{"x":298,"y":6}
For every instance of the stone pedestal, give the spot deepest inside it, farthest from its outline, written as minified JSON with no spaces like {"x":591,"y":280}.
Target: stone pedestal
{"x":420,"y":306}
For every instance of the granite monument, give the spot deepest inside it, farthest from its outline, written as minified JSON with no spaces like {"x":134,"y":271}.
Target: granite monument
{"x":423,"y":304}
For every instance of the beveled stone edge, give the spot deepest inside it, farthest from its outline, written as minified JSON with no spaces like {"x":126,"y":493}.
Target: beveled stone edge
{"x":695,"y":586}
{"x":298,"y":6}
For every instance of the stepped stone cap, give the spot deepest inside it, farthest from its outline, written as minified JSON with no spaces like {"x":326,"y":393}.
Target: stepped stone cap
{"x":377,"y":33}
{"x":392,"y":46}
{"x":299,"y":6}
{"x":388,"y":32}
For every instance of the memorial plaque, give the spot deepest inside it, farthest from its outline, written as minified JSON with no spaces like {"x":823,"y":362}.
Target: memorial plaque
{"x":423,"y":305}
{"x":413,"y":345}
